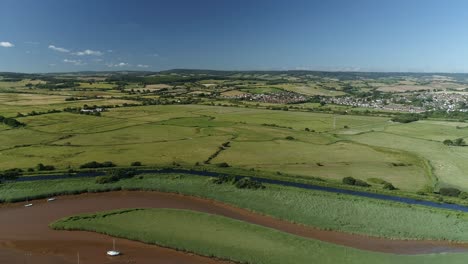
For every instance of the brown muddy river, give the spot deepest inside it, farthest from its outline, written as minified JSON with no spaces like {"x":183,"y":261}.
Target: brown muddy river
{"x":26,"y":238}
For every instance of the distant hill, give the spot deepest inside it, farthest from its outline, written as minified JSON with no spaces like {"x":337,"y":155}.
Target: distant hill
{"x":255,"y":74}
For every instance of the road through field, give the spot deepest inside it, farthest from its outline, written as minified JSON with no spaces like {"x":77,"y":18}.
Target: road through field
{"x":26,"y":238}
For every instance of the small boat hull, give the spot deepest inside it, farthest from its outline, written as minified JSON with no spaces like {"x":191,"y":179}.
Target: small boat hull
{"x":28,"y":205}
{"x":113,"y":253}
{"x":51,"y":199}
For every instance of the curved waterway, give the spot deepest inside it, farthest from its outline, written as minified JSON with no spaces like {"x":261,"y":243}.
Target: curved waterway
{"x":24,"y":231}
{"x":385,"y":197}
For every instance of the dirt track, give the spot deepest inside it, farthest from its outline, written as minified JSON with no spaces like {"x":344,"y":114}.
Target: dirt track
{"x":26,"y":238}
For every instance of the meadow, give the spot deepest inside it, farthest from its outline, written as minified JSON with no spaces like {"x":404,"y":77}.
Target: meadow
{"x":274,"y":141}
{"x":312,"y":208}
{"x":448,"y":163}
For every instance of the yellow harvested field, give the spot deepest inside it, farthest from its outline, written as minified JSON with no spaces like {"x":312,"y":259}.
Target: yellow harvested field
{"x":30,"y":99}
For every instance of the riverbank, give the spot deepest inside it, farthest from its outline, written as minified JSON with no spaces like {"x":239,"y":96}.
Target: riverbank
{"x":432,"y":200}
{"x":323,"y":210}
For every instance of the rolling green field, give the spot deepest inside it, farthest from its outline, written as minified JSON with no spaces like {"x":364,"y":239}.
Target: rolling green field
{"x":225,"y":238}
{"x":161,"y":135}
{"x":296,"y":142}
{"x":313,"y":208}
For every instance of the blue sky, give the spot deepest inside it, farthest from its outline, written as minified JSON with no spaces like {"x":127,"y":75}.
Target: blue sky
{"x":362,"y":35}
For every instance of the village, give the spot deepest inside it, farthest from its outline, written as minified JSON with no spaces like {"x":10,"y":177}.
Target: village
{"x":275,"y":98}
{"x":411,"y":102}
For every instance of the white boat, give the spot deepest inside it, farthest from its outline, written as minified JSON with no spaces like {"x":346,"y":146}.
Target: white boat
{"x":51,"y":199}
{"x":113,"y":252}
{"x":28,"y":204}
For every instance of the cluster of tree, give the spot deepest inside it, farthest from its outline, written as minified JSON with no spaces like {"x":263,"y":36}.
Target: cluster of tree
{"x":83,"y":98}
{"x":248,"y":183}
{"x":406,"y":118}
{"x":72,"y":109}
{"x":239,"y":182}
{"x":449,"y":191}
{"x":115,"y":176}
{"x":10,"y":174}
{"x":456,"y":142}
{"x":275,"y":125}
{"x":223,"y":165}
{"x":355,"y":182}
{"x":136,"y":164}
{"x":284,"y":108}
{"x":57,"y":84}
{"x":349,"y":89}
{"x":385,"y":184}
{"x":34,"y":113}
{"x":11,"y":122}
{"x":130,"y":105}
{"x":120,"y":85}
{"x":42,"y":167}
{"x":145,"y":91}
{"x":389,"y":186}
{"x":281,"y":81}
{"x":95,"y":165}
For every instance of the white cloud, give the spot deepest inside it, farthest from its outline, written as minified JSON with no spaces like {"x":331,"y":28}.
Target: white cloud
{"x":52,"y":47}
{"x":74,"y":62}
{"x":142,"y":66}
{"x":155,"y":55}
{"x":6,"y":44}
{"x":120,"y":64}
{"x":88,"y":52}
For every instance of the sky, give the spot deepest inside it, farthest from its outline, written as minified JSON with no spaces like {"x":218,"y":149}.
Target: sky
{"x":332,"y":35}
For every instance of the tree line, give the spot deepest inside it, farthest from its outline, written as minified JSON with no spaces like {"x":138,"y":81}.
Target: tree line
{"x":11,"y":122}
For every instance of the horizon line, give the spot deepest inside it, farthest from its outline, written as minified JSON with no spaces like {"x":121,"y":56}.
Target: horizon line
{"x":237,"y":70}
